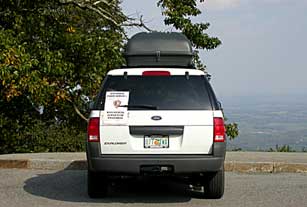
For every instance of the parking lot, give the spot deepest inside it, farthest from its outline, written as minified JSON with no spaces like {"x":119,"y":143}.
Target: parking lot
{"x":30,"y":188}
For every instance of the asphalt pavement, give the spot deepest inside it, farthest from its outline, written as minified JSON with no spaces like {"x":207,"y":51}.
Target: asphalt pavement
{"x":33,"y":188}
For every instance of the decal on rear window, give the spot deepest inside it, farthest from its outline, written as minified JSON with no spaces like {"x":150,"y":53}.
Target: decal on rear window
{"x":114,"y":112}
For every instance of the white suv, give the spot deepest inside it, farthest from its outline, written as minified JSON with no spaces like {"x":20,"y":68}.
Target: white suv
{"x":156,"y":121}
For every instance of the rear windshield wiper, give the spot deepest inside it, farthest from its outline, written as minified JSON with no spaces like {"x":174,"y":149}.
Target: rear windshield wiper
{"x":141,"y":107}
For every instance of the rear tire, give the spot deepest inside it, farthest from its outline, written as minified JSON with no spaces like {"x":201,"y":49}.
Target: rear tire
{"x":214,"y":184}
{"x":97,"y":185}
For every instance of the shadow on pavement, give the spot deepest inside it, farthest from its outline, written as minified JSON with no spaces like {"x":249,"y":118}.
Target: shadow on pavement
{"x":70,"y":185}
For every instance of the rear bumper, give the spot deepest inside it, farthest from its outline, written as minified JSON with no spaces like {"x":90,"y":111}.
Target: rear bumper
{"x":132,"y":164}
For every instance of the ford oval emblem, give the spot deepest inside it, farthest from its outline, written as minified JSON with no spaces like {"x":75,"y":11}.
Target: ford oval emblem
{"x":156,"y":118}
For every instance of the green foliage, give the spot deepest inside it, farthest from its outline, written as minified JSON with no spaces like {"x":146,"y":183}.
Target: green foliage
{"x":54,"y":55}
{"x":284,"y":148}
{"x":47,"y":48}
{"x":232,"y":130}
{"x":178,"y":13}
{"x":198,"y":63}
{"x":237,"y":149}
{"x":28,"y":135}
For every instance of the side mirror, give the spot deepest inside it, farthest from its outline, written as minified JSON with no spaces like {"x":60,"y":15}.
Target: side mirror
{"x":220,"y":105}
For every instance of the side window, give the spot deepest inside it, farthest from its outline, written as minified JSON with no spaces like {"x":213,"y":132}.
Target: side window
{"x":216,"y":105}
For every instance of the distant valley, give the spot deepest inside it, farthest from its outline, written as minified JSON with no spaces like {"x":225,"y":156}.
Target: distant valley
{"x":268,"y":121}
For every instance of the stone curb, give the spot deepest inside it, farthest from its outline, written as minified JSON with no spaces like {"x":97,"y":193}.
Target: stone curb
{"x":265,"y":167}
{"x":230,"y":166}
{"x":19,"y":164}
{"x":40,"y":164}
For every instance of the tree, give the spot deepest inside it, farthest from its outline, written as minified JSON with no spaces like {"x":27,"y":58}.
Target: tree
{"x":53,"y":57}
{"x":55,"y":53}
{"x":178,"y":13}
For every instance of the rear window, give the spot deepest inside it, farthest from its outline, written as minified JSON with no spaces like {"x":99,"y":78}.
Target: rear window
{"x":163,"y":92}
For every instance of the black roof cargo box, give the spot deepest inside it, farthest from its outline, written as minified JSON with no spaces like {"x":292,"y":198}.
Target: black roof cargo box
{"x":159,"y":49}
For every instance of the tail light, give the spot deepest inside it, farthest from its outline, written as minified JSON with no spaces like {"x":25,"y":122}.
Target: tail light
{"x":156,"y":73}
{"x":93,"y":130}
{"x":219,"y":130}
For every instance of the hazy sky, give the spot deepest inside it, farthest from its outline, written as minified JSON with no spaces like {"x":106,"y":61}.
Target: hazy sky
{"x":264,"y":50}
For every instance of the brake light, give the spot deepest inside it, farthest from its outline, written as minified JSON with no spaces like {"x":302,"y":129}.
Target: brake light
{"x":219,"y":130}
{"x":93,"y":130}
{"x":156,"y":73}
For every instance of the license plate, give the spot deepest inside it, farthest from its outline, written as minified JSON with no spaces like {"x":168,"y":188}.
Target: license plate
{"x":156,"y":141}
